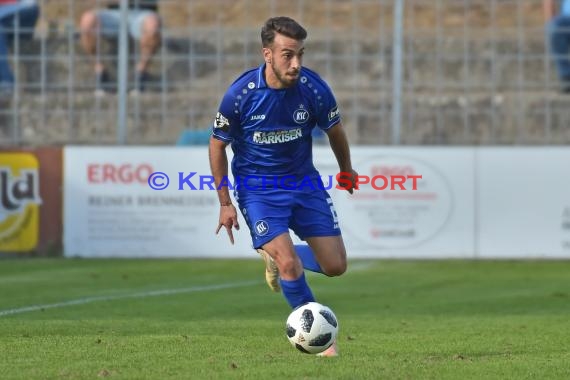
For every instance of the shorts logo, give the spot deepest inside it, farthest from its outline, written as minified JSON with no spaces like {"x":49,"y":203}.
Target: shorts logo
{"x":301,"y":116}
{"x":261,"y":228}
{"x":19,"y":202}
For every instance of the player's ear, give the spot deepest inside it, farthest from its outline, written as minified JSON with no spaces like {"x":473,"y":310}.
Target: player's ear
{"x":267,"y":55}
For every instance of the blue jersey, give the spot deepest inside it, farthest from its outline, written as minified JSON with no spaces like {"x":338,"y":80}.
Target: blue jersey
{"x":270,"y":129}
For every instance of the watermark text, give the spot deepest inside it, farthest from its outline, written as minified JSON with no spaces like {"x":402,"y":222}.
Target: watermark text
{"x":341,"y":181}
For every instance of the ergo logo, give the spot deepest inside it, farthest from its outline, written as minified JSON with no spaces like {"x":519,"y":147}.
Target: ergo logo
{"x":119,"y":173}
{"x":392,"y":170}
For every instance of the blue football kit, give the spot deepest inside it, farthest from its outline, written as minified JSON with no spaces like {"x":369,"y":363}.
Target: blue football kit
{"x":270,"y":135}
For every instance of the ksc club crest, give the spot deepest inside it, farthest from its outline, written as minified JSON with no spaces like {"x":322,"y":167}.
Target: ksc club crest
{"x":301,"y":115}
{"x":261,"y":228}
{"x":19,"y":202}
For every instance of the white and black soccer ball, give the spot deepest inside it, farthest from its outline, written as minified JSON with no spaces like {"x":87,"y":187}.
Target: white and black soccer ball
{"x":312,"y":328}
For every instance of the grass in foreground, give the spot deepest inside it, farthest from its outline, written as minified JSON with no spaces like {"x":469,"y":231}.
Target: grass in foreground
{"x":215,"y":319}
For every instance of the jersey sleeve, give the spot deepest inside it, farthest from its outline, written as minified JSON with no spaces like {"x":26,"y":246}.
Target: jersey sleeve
{"x":227,"y":118}
{"x":328,"y":114}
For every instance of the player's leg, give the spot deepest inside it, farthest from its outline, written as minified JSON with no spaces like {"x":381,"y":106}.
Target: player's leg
{"x":293,"y":282}
{"x":292,"y":276}
{"x":315,"y":221}
{"x":266,"y":216}
{"x":305,"y":254}
{"x":308,"y":258}
{"x":330,"y":253}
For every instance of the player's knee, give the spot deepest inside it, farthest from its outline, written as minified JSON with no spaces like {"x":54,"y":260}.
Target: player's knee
{"x":335,"y":269}
{"x":288,"y":266}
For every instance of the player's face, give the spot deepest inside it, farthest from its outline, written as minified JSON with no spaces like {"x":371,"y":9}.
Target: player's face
{"x":284,"y":59}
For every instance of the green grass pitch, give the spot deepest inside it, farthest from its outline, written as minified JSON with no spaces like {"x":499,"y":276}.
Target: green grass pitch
{"x":216,"y":319}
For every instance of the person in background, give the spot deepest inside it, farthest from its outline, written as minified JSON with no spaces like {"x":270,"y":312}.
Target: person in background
{"x":17,"y":21}
{"x":557,"y":17}
{"x":144,"y":26}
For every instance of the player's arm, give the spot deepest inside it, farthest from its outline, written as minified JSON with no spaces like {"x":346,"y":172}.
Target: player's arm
{"x":219,"y":168}
{"x":221,"y":137}
{"x":339,"y":145}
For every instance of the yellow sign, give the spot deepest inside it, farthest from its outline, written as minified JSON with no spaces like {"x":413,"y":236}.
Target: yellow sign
{"x":19,"y":202}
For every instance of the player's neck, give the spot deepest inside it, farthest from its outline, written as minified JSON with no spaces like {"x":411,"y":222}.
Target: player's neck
{"x":271,"y":80}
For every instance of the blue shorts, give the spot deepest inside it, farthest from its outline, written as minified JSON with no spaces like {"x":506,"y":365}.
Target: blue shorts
{"x":274,"y":211}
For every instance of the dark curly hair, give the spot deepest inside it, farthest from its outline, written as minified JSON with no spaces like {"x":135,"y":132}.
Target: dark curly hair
{"x":282,"y":25}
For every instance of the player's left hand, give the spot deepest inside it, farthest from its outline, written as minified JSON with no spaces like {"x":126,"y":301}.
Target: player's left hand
{"x":349,"y":180}
{"x":229,"y":220}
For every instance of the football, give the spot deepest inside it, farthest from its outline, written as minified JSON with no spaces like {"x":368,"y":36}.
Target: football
{"x":312,"y":328}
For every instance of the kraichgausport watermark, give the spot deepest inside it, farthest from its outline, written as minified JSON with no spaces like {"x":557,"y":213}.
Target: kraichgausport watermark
{"x":341,"y":181}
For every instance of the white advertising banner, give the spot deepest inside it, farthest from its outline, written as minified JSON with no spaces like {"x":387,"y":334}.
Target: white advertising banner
{"x":413,"y":202}
{"x":432,"y":219}
{"x":524,"y":202}
{"x":110,"y":210}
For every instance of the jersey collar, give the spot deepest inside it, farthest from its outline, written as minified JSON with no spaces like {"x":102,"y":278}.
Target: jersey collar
{"x":261,"y":83}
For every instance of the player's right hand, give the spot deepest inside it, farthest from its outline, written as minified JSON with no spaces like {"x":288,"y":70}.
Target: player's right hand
{"x":229,"y":220}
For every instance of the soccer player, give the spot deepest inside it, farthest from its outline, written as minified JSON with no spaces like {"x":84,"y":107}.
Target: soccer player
{"x":267,"y":115}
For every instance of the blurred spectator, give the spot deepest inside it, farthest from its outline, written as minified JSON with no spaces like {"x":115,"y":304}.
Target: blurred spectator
{"x":557,"y":16}
{"x":17,"y":20}
{"x":104,"y":20}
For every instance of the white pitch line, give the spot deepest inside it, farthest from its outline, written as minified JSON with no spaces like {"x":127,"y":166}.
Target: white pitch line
{"x":357,"y":267}
{"x":152,"y":293}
